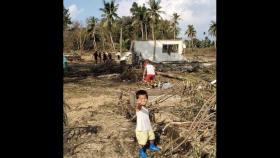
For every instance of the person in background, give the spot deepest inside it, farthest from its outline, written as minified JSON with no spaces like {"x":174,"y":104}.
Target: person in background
{"x":95,"y":54}
{"x":104,"y":57}
{"x":100,"y":57}
{"x":149,"y":73}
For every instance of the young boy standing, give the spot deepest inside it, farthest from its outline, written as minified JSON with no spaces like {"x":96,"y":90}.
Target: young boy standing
{"x":144,"y":131}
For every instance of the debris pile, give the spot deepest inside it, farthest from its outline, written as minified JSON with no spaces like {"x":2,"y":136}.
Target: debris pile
{"x":193,"y":131}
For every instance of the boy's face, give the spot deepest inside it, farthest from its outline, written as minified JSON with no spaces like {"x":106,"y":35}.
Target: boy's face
{"x":142,"y":100}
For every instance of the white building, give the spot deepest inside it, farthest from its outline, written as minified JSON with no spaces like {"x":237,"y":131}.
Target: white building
{"x":166,"y":50}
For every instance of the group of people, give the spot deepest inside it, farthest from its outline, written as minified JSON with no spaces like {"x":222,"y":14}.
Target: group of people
{"x":99,"y":57}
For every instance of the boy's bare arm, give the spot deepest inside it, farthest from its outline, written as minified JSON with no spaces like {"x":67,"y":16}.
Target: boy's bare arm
{"x":138,"y":106}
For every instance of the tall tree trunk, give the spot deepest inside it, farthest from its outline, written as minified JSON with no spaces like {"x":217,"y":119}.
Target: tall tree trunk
{"x":154,"y":52}
{"x":192,"y":44}
{"x":112,"y":40}
{"x":80,"y":43}
{"x":84,"y":40}
{"x":142,"y":30}
{"x":121,"y":41}
{"x":189,"y":43}
{"x":174,"y":33}
{"x":146,"y":32}
{"x":94,"y":42}
{"x":103,"y":39}
{"x":83,"y":43}
{"x":80,"y":40}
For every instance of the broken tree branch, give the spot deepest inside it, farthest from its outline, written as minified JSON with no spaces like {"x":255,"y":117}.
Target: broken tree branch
{"x":171,"y":75}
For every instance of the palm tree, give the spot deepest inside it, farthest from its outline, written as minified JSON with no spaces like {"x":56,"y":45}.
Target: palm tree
{"x":191,"y":33}
{"x":121,"y":40}
{"x":119,"y":23}
{"x":164,"y":31}
{"x":146,"y":21}
{"x":139,"y":13}
{"x":133,"y":11}
{"x":91,"y":26}
{"x":212,"y":30}
{"x":174,"y":20}
{"x":80,"y":35}
{"x":102,"y":31}
{"x":66,"y":18}
{"x":109,"y":13}
{"x":204,"y":41}
{"x":154,"y":12}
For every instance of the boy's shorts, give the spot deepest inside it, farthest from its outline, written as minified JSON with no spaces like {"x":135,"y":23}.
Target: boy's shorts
{"x":144,"y":136}
{"x":149,"y":78}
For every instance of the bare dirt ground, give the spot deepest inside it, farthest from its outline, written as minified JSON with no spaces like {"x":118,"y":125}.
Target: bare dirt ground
{"x":99,"y":120}
{"x":93,"y":103}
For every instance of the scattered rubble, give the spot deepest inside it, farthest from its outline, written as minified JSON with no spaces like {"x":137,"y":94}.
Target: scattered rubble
{"x":99,"y":113}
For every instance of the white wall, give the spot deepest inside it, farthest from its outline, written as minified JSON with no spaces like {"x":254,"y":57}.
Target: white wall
{"x":146,"y":48}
